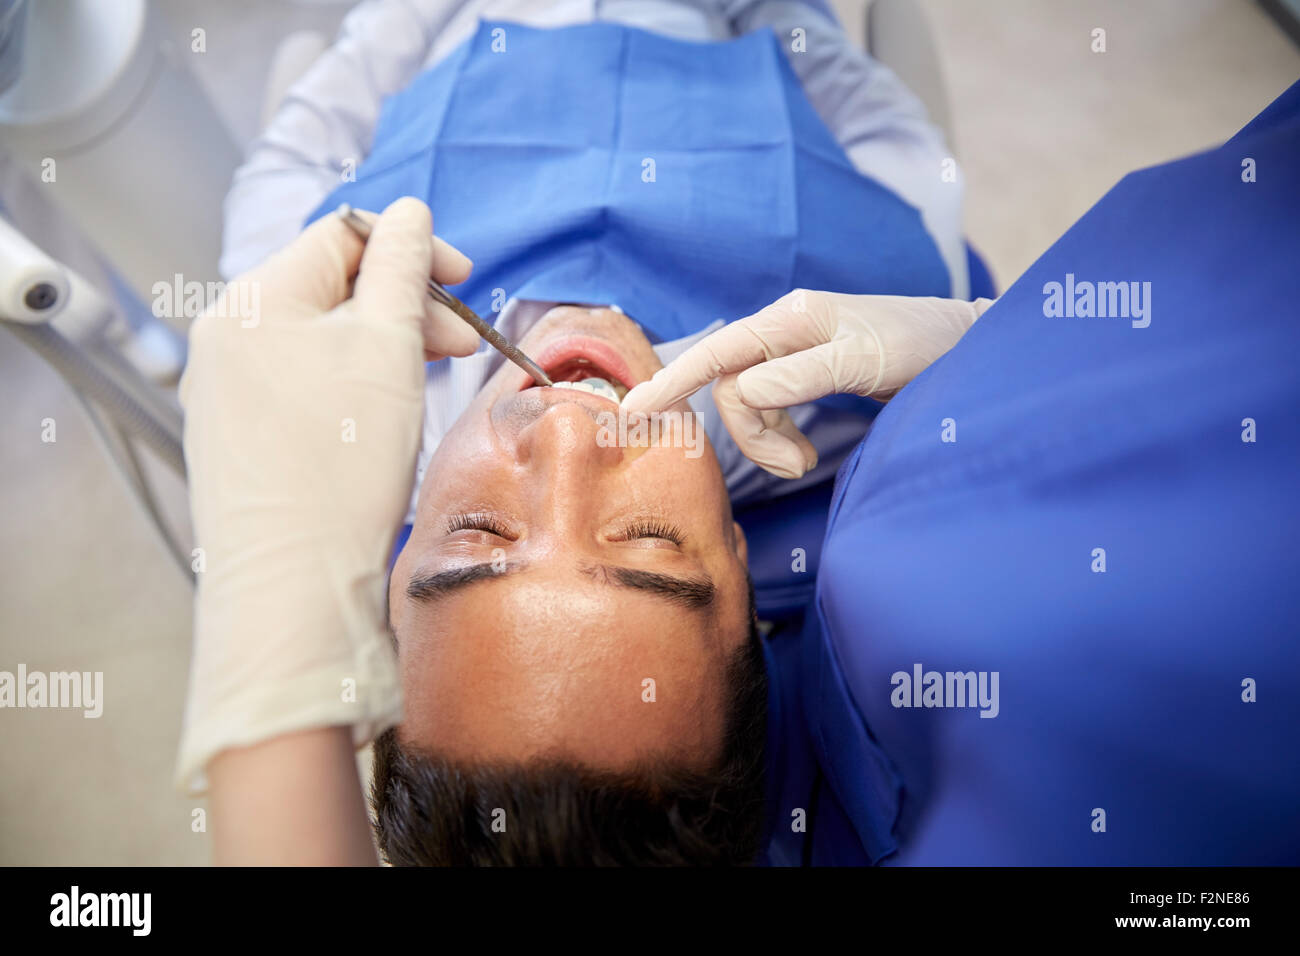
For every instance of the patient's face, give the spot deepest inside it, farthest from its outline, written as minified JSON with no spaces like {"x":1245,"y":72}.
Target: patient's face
{"x":560,"y":595}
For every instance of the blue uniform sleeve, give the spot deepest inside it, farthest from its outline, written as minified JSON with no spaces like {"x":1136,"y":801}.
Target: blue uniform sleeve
{"x":1076,"y":635}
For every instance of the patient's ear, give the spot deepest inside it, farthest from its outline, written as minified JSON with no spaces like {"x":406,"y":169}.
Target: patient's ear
{"x":742,"y":546}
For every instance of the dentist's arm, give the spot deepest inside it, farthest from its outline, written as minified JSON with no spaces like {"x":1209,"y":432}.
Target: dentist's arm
{"x":303,"y":406}
{"x":802,"y":347}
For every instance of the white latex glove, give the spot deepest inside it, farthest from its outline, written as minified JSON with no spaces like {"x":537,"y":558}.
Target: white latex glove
{"x":802,"y":347}
{"x":303,"y":414}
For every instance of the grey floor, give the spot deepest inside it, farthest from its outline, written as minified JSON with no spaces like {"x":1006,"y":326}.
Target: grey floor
{"x":1042,"y":125}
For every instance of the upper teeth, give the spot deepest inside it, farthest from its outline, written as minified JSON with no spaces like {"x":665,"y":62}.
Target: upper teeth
{"x":596,"y":386}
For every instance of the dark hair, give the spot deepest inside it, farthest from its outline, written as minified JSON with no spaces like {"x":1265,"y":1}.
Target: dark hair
{"x":433,"y":812}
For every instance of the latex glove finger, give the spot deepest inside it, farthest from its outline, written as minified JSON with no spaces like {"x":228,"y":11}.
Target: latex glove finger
{"x":846,"y":364}
{"x":401,"y":254}
{"x":796,"y":321}
{"x":907,"y":336}
{"x":450,"y":265}
{"x":314,"y":272}
{"x":767,"y":437}
{"x":880,"y":344}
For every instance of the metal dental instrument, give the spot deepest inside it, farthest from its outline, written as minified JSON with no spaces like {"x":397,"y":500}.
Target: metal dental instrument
{"x":439,"y":294}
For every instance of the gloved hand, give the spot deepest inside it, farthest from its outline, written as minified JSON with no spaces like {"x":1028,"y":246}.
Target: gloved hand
{"x":802,"y":347}
{"x":303,"y":415}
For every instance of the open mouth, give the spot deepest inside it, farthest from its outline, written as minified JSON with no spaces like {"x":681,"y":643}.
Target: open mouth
{"x":586,"y":365}
{"x":585,"y":376}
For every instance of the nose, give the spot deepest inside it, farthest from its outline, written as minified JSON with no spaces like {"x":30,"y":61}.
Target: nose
{"x":567,"y":453}
{"x":568,"y":444}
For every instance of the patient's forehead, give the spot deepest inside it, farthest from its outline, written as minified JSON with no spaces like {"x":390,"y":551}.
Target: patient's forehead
{"x":524,"y":668}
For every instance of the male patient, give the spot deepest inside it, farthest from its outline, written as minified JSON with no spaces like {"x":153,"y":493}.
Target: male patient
{"x":575,"y":630}
{"x":573,"y":616}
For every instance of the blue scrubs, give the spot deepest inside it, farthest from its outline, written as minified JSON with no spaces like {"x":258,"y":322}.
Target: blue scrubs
{"x":1094,"y":501}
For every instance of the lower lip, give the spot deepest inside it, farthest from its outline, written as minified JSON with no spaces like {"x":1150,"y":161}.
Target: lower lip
{"x":599,"y":353}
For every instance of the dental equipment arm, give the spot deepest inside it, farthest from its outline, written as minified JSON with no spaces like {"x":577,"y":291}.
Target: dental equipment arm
{"x":802,"y":347}
{"x":303,"y":417}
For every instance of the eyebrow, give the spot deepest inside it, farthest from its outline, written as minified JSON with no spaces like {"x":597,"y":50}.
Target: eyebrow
{"x":688,"y":592}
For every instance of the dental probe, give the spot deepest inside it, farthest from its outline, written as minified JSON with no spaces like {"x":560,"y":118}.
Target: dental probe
{"x":439,"y":294}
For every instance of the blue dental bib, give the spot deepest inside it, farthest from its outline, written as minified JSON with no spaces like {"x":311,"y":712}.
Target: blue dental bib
{"x":683,"y":182}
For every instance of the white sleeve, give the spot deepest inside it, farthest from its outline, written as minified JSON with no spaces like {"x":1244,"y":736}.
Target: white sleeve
{"x":878,"y":121}
{"x":325,"y":124}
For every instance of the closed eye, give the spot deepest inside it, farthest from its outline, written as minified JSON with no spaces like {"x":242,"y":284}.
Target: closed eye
{"x":490,"y":524}
{"x":478,"y":521}
{"x":654,"y":529}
